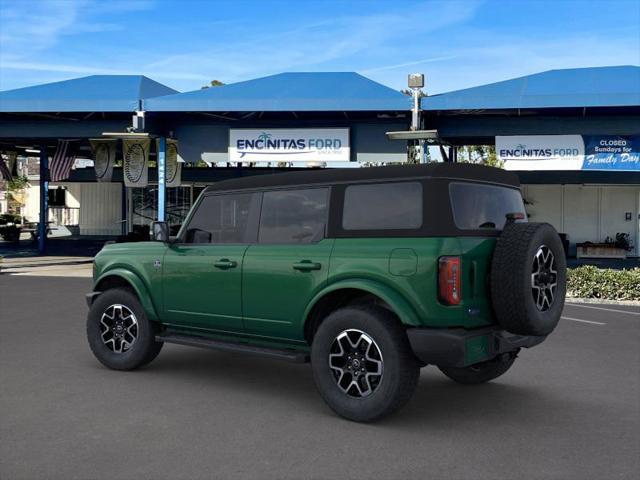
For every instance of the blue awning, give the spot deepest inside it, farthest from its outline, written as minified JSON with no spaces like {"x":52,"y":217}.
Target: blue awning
{"x":96,"y":93}
{"x":577,"y":87}
{"x":288,"y":92}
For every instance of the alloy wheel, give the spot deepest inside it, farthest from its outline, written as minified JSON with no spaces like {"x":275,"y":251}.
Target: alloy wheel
{"x":118,"y":328}
{"x":544,"y":278}
{"x":356,"y":363}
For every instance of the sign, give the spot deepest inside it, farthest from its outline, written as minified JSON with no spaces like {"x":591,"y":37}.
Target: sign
{"x":136,"y":162}
{"x":289,"y":145}
{"x":104,"y":157}
{"x":541,"y":152}
{"x":173,"y":167}
{"x":610,"y":152}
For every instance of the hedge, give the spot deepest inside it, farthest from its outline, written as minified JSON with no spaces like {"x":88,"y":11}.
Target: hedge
{"x":588,"y":281}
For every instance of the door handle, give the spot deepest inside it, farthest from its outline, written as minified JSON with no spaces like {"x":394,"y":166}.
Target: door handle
{"x":306,"y":266}
{"x":225,"y":263}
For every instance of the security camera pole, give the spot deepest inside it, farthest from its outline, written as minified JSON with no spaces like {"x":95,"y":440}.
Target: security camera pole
{"x":416,"y":83}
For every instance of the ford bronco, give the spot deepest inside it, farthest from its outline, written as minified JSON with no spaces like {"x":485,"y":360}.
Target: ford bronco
{"x":368,"y":273}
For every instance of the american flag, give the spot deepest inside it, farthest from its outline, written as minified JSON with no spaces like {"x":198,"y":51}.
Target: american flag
{"x":4,"y":170}
{"x":62,"y":161}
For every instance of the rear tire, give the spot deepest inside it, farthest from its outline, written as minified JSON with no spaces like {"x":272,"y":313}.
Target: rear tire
{"x":480,"y":372}
{"x":119,"y":333}
{"x":528,"y":279}
{"x":362,"y":363}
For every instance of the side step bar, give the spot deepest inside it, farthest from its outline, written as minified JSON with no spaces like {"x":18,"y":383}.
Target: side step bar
{"x":194,"y":341}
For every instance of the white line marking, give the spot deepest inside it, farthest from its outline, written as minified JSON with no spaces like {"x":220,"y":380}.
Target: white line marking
{"x":602,"y":308}
{"x":583,"y":321}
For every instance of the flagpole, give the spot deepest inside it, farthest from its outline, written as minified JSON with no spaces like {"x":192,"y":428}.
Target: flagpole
{"x":44,"y":200}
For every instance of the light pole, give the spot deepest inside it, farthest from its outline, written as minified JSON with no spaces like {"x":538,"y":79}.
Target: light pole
{"x":416,"y":83}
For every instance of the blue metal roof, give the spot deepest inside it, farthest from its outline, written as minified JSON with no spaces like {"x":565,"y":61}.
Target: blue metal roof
{"x":96,"y":93}
{"x":288,"y":92}
{"x":576,"y":87}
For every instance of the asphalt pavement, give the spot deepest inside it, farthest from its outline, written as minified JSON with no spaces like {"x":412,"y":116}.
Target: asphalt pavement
{"x":569,"y":408}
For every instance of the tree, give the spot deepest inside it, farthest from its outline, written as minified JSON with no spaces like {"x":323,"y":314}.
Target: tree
{"x":213,"y":83}
{"x":481,"y":154}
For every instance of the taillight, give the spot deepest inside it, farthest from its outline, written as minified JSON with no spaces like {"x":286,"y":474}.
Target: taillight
{"x":449,"y":280}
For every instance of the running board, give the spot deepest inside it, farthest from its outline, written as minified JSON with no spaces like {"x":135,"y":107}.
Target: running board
{"x":194,"y":341}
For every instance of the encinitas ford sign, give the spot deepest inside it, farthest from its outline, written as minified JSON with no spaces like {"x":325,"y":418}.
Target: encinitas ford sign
{"x":289,"y":145}
{"x":569,"y":152}
{"x":541,"y":152}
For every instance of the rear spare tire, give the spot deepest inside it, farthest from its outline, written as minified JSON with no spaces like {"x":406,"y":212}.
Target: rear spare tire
{"x":528,"y":278}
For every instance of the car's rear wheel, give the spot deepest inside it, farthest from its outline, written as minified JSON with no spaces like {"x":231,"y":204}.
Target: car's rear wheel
{"x":362,"y":363}
{"x":119,"y":333}
{"x":480,"y":372}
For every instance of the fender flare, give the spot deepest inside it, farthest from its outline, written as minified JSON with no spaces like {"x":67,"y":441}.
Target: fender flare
{"x":405,"y":312}
{"x":138,"y":286}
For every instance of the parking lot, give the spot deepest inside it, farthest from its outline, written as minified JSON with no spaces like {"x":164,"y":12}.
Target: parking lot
{"x":569,"y":408}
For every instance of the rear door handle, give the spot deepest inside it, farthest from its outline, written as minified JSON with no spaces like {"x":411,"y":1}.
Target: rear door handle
{"x":306,"y":265}
{"x":225,"y":263}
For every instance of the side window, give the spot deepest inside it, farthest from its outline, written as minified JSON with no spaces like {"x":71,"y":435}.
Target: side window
{"x":293,"y":216}
{"x":222,"y":219}
{"x":477,"y":206}
{"x":383,"y":206}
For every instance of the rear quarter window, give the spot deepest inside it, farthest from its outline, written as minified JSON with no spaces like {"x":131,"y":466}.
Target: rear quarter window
{"x":383,"y":206}
{"x":477,"y":207}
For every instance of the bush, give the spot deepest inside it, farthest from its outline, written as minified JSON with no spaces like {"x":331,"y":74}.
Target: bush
{"x":592,"y":282}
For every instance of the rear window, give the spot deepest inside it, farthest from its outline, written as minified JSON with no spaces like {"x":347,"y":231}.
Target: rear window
{"x":383,"y":206}
{"x":476,"y":206}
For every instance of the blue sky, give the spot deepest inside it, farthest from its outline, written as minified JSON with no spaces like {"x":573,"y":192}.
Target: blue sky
{"x":184,"y":44}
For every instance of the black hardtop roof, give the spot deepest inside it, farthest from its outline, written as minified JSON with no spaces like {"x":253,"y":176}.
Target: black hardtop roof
{"x":458,"y":171}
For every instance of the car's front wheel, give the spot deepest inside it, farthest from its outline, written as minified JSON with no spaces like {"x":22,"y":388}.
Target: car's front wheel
{"x":119,"y":333}
{"x":362,"y":363}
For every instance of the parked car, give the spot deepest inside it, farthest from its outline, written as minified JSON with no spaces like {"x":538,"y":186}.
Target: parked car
{"x":369,"y":273}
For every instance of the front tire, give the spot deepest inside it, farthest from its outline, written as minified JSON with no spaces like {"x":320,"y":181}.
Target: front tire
{"x":362,"y":363}
{"x":119,"y":333}
{"x":480,"y":372}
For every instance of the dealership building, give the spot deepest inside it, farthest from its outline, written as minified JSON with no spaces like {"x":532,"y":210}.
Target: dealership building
{"x":573,"y":137}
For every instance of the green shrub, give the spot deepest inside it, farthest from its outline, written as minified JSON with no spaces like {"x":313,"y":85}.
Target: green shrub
{"x":592,"y":282}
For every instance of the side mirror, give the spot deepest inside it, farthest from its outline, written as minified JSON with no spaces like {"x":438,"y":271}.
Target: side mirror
{"x":160,"y":232}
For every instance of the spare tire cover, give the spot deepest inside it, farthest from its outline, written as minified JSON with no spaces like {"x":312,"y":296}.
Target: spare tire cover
{"x":528,"y":278}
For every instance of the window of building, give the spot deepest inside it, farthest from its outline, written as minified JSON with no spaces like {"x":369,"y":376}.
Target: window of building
{"x":57,"y":197}
{"x":293,"y":216}
{"x":222,"y":219}
{"x":477,"y":206}
{"x":383,"y":206}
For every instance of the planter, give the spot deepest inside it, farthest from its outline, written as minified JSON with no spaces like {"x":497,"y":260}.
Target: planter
{"x":599,"y":250}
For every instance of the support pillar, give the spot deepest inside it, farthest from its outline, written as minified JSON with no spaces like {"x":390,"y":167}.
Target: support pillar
{"x":162,"y":178}
{"x":44,"y":200}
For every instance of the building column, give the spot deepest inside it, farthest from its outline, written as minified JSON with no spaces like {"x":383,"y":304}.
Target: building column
{"x":44,"y":200}
{"x":162,"y":178}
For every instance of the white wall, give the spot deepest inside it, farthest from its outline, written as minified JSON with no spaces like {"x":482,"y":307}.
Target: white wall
{"x":586,"y":212}
{"x":100,"y":208}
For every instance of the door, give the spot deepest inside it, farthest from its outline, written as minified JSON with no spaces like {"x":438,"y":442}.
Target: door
{"x":202,"y":271}
{"x":289,"y":264}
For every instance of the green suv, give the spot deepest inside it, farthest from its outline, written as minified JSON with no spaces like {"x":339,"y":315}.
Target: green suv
{"x":368,"y":273}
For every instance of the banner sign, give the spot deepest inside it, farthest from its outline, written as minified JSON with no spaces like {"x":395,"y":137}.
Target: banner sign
{"x":173,"y":167}
{"x":610,"y":152}
{"x":569,"y":152}
{"x":541,"y":152}
{"x":136,"y":162}
{"x":104,"y":157}
{"x":289,"y":145}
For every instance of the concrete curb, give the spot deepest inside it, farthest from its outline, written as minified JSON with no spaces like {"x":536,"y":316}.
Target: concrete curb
{"x":600,"y":301}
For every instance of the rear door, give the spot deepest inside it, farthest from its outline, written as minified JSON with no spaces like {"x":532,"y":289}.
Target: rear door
{"x":289,"y":264}
{"x":202,"y":272}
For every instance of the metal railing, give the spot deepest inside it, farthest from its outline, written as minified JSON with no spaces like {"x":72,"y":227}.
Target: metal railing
{"x":64,"y":215}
